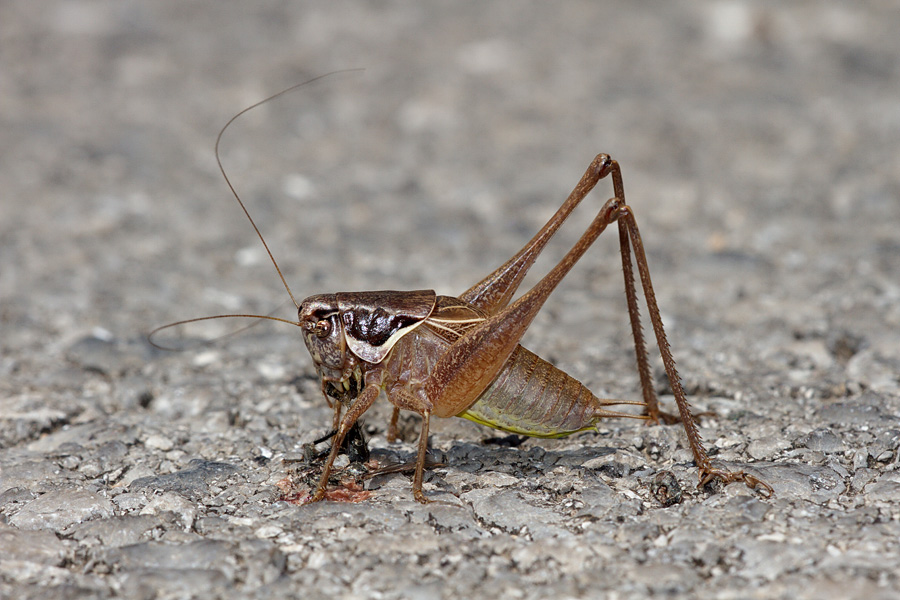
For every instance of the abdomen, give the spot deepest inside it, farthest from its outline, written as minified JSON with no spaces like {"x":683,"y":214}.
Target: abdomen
{"x":532,"y":397}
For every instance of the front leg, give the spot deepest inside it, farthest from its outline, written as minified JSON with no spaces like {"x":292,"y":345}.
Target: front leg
{"x":336,"y":420}
{"x":360,"y":405}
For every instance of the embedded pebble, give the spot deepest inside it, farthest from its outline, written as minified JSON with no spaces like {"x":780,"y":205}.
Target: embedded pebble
{"x":118,"y":530}
{"x":512,"y":512}
{"x":862,"y":478}
{"x":190,"y":482}
{"x":824,"y":440}
{"x":60,"y":509}
{"x":885,"y":489}
{"x":864,"y":411}
{"x":185,"y":510}
{"x":767,"y":447}
{"x":159,"y":442}
{"x":32,"y":546}
{"x":206,"y":555}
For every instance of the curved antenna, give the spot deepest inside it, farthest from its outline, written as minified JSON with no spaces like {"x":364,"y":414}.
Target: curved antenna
{"x":186,"y":321}
{"x":238,"y":198}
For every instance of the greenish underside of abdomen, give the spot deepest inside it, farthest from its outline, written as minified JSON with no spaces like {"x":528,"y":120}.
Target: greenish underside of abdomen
{"x":531,"y":430}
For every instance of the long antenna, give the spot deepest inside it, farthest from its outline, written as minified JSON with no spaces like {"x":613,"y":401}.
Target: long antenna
{"x":194,"y":320}
{"x":252,"y":222}
{"x":231,"y":187}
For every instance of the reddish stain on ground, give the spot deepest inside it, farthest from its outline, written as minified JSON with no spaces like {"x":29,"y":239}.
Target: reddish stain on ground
{"x":349,"y":491}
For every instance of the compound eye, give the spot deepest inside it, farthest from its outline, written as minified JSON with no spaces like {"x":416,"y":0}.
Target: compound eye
{"x":323,"y":328}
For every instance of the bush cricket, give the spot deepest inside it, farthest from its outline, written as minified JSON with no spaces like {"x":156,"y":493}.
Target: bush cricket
{"x":443,"y":356}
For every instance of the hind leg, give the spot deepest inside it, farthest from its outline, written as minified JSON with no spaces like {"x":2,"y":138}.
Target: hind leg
{"x":494,"y":292}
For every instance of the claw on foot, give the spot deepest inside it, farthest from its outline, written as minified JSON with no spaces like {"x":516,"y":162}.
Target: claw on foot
{"x":726,"y":477}
{"x":317,"y":496}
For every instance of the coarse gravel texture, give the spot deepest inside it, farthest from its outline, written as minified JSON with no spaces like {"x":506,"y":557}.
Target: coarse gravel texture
{"x":759,"y":147}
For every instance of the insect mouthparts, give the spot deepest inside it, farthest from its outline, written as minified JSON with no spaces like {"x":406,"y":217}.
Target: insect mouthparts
{"x":347,"y":389}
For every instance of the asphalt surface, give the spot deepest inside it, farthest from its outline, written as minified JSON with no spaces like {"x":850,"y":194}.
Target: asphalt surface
{"x":759,"y":148}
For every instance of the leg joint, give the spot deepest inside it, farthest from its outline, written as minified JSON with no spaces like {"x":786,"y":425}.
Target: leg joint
{"x":602,"y":165}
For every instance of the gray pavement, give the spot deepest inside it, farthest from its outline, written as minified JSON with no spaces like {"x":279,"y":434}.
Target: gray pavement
{"x":759,"y":146}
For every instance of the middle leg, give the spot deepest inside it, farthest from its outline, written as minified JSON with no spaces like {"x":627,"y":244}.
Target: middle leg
{"x":362,"y":403}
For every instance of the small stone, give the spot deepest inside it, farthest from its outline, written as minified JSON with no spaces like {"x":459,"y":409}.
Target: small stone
{"x":511,"y":511}
{"x":268,"y":531}
{"x":666,"y":489}
{"x":185,"y":511}
{"x":862,"y":412}
{"x":205,"y":555}
{"x":860,"y":458}
{"x":33,"y":546}
{"x":862,"y":478}
{"x":883,"y":490}
{"x":824,"y":440}
{"x":501,"y":480}
{"x":159,"y":442}
{"x":59,"y":509}
{"x":885,"y":456}
{"x":767,"y":447}
{"x":116,"y":531}
{"x":190,"y":482}
{"x":130,"y":501}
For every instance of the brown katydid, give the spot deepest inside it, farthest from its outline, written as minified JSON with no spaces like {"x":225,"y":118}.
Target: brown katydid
{"x":443,"y":356}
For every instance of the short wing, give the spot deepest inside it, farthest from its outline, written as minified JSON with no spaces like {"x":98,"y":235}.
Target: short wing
{"x":452,"y":318}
